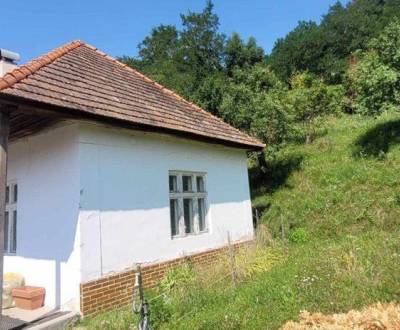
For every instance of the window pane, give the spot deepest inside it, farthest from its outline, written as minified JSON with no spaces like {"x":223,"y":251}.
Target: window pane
{"x":15,"y":193}
{"x":200,"y":184}
{"x":7,"y":194}
{"x":188,"y":215}
{"x":202,"y":214}
{"x":173,"y":183}
{"x":6,"y":232}
{"x":173,"y":206}
{"x":13,"y":233}
{"x":187,"y":183}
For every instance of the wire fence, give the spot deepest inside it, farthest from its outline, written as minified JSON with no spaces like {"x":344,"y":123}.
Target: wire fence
{"x":145,"y":304}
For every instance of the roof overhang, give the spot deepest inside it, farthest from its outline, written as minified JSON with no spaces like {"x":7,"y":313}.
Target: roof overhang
{"x":29,"y":117}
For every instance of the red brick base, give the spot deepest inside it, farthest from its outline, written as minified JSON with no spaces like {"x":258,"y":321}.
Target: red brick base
{"x":115,"y":291}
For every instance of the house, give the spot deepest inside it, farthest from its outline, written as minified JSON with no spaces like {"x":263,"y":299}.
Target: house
{"x":106,"y":169}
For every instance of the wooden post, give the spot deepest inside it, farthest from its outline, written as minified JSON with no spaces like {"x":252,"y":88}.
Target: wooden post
{"x":232,"y":261}
{"x":4,"y":133}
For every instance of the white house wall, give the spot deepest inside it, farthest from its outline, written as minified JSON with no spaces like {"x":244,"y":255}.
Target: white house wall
{"x":46,"y":168}
{"x":124,"y":207}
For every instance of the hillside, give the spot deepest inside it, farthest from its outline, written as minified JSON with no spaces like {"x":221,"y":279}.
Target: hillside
{"x":339,"y":202}
{"x":346,"y":182}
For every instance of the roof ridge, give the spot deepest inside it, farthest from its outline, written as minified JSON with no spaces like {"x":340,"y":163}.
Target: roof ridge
{"x":23,"y":71}
{"x":167,"y":90}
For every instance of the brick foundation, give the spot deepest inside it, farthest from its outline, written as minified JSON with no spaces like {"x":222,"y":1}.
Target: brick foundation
{"x":115,"y":291}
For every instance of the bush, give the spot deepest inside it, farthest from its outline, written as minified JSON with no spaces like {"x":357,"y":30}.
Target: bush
{"x":299,"y":235}
{"x":178,"y":276}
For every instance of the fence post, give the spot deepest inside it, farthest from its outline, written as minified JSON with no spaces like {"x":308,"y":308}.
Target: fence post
{"x":232,"y":261}
{"x":142,"y":308}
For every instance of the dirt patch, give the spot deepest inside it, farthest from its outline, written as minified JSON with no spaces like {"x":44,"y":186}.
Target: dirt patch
{"x":376,"y":317}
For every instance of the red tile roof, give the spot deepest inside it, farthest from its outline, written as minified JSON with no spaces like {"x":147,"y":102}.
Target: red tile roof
{"x":78,"y":76}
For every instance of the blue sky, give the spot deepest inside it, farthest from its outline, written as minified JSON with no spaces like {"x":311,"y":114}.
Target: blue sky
{"x":33,"y":27}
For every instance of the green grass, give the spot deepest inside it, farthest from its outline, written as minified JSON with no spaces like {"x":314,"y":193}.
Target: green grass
{"x":343,"y":187}
{"x":338,"y":200}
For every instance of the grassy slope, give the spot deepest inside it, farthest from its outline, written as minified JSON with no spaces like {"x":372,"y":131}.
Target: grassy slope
{"x":347,"y":183}
{"x":349,"y":206}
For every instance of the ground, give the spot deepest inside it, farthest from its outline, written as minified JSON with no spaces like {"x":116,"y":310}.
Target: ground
{"x":330,"y":224}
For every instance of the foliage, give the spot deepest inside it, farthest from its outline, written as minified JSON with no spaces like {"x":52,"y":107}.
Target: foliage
{"x":252,"y":101}
{"x":285,"y":96}
{"x":324,"y":49}
{"x":240,"y":55}
{"x":298,"y":51}
{"x":299,"y":235}
{"x":177,"y":276}
{"x":310,"y":98}
{"x":182,"y":59}
{"x":374,"y":82}
{"x":201,"y":44}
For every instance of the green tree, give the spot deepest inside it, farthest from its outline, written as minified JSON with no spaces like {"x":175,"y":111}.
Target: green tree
{"x":300,"y":50}
{"x":240,"y":55}
{"x":184,"y":60}
{"x":324,"y":49}
{"x":308,"y":100}
{"x":160,"y":46}
{"x":374,"y":82}
{"x":252,"y":102}
{"x":201,"y":44}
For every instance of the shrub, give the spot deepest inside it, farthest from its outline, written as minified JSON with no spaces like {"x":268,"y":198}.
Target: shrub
{"x":299,"y":235}
{"x":178,"y":276}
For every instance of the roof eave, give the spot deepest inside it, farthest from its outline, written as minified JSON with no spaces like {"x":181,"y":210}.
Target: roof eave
{"x":71,"y":113}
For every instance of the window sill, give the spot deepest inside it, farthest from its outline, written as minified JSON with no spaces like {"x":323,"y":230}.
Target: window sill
{"x":190,"y":235}
{"x":10,"y":254}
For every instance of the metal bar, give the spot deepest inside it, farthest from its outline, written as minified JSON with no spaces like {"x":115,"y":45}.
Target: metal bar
{"x":4,"y":134}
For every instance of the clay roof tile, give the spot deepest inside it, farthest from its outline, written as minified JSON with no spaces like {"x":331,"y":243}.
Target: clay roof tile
{"x":78,"y":76}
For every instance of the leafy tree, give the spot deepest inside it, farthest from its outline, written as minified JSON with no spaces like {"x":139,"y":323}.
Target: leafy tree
{"x":201,"y":45}
{"x":182,"y":60}
{"x":210,"y":92}
{"x":252,"y":102}
{"x":324,"y":49}
{"x":241,"y":55}
{"x":374,"y":82}
{"x":308,"y":100}
{"x":160,"y":46}
{"x":300,"y":50}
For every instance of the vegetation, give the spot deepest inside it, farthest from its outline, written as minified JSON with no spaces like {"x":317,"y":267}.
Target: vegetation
{"x":375,"y":80}
{"x":347,"y":63}
{"x":325,"y":102}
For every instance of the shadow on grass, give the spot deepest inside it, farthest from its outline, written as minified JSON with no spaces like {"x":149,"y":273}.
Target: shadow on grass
{"x":376,"y":142}
{"x":268,"y":179}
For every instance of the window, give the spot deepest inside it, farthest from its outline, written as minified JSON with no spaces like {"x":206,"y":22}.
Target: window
{"x":188,"y":203}
{"x":10,"y":219}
